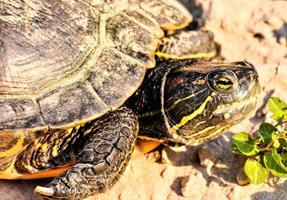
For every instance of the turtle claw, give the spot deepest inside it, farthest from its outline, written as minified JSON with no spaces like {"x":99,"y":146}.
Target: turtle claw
{"x":45,"y":191}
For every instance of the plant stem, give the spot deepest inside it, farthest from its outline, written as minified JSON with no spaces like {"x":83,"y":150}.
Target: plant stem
{"x":267,"y":147}
{"x":280,"y":123}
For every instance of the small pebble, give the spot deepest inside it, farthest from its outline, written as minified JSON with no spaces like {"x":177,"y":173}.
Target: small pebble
{"x":153,"y":156}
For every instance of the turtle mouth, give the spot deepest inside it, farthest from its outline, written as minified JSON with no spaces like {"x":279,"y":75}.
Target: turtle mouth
{"x":237,"y":110}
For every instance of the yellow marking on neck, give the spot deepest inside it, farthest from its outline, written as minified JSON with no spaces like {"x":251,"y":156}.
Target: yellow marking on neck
{"x":199,"y":123}
{"x":185,"y":98}
{"x":9,"y":171}
{"x":55,"y":151}
{"x":214,"y":134}
{"x":187,"y":118}
{"x":44,"y":147}
{"x":16,"y":148}
{"x":199,"y":140}
{"x":191,"y":56}
{"x":202,"y":132}
{"x":180,"y":100}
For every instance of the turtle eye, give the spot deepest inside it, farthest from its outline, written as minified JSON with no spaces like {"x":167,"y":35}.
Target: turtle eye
{"x":223,"y":81}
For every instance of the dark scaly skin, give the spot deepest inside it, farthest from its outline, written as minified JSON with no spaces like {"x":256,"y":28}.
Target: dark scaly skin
{"x":102,"y":158}
{"x":187,"y":44}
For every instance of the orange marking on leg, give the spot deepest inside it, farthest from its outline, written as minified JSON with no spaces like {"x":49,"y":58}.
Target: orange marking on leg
{"x":38,"y":175}
{"x":146,"y":146}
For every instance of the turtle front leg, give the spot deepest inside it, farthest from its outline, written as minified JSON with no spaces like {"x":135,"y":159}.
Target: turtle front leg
{"x":100,"y":162}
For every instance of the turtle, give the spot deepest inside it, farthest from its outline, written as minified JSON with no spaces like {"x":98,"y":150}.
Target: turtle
{"x":79,"y":83}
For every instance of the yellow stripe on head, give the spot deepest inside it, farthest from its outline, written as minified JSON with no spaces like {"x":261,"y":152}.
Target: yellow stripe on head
{"x":187,"y":118}
{"x":213,"y":134}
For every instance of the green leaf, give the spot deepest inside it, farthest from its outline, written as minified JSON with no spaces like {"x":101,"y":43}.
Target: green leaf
{"x":274,"y":162}
{"x":278,"y":115}
{"x":275,"y":104}
{"x":277,"y":107}
{"x":255,"y":171}
{"x":265,"y":132}
{"x":278,"y":159}
{"x":245,"y":144}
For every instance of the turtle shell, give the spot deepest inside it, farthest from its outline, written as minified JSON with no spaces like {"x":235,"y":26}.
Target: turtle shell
{"x":65,"y":62}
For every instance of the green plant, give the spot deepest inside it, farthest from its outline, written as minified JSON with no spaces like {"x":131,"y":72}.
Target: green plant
{"x":267,"y":152}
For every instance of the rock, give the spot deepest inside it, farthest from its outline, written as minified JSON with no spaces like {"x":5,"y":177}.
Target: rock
{"x":153,"y":156}
{"x":182,"y":155}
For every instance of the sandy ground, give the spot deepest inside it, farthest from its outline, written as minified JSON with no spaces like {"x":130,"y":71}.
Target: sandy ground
{"x":246,"y":30}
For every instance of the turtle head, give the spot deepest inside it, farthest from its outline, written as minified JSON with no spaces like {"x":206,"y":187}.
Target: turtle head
{"x":204,"y":99}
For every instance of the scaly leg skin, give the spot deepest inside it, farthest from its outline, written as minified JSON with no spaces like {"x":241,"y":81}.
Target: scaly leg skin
{"x":188,"y":45}
{"x":100,"y":162}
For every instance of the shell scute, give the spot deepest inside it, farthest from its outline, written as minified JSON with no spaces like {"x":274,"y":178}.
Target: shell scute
{"x":128,"y":37}
{"x":116,"y":77}
{"x":70,"y":104}
{"x":19,"y":114}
